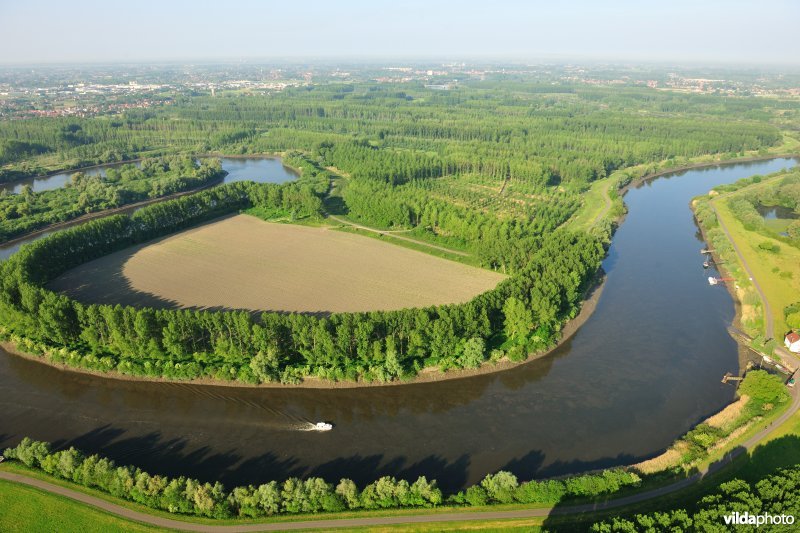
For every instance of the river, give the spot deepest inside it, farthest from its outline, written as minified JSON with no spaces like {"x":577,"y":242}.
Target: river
{"x":643,"y":370}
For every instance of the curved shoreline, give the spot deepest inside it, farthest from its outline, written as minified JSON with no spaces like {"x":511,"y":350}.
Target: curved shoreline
{"x":18,"y":181}
{"x":430,"y":374}
{"x":427,"y":375}
{"x":708,"y":164}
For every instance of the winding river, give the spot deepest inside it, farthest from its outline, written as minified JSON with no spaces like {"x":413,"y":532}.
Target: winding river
{"x":643,"y":369}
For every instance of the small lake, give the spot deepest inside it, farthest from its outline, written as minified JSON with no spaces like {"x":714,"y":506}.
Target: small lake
{"x":641,"y":371}
{"x":56,"y":181}
{"x":258,"y":169}
{"x":776,"y":212}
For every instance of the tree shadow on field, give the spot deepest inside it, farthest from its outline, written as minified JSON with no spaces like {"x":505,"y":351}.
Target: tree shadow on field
{"x":103,"y":281}
{"x":680,"y":492}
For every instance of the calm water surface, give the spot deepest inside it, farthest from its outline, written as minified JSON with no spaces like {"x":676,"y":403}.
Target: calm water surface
{"x":776,"y":212}
{"x":642,"y":370}
{"x":56,"y":181}
{"x":258,"y":169}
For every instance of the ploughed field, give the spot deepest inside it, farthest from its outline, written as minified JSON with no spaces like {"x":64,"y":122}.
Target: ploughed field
{"x":242,"y":262}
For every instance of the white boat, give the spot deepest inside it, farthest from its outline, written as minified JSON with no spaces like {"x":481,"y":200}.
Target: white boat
{"x":322,"y":426}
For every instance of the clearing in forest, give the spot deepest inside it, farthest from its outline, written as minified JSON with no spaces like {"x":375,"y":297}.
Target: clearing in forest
{"x":242,"y":262}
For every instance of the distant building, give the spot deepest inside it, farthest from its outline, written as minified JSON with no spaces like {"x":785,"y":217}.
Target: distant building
{"x":792,"y":341}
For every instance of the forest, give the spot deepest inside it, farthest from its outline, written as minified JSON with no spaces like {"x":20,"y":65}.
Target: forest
{"x":777,"y":494}
{"x":489,"y":169}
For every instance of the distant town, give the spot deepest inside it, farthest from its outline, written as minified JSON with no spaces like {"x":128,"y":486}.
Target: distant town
{"x":92,"y":90}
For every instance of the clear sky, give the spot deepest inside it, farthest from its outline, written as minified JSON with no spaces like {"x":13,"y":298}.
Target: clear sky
{"x":730,"y":31}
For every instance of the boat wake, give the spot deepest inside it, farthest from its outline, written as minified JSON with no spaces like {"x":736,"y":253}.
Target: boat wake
{"x":315,"y":426}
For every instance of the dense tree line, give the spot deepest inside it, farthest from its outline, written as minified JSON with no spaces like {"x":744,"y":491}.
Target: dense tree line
{"x":270,"y":347}
{"x":183,"y":495}
{"x":188,"y":496}
{"x":777,"y":494}
{"x":490,"y":170}
{"x":25,"y":212}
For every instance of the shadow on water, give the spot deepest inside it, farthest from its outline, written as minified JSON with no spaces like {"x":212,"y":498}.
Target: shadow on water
{"x":639,"y":373}
{"x":174,"y":457}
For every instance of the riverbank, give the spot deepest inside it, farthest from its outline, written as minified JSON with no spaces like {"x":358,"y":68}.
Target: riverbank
{"x":734,"y":457}
{"x":704,"y":164}
{"x":761,"y":266}
{"x":431,"y":374}
{"x":427,"y":375}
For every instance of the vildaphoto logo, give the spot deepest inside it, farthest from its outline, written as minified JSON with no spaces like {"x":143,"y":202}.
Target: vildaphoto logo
{"x":747,"y":519}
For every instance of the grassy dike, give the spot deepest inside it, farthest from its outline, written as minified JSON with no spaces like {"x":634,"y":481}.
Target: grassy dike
{"x":773,"y":262}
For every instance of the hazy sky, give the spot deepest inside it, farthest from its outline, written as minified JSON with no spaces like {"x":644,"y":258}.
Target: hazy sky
{"x":733,"y":31}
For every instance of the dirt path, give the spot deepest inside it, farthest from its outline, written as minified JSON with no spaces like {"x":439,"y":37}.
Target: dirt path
{"x":394,"y":234}
{"x":602,"y":214}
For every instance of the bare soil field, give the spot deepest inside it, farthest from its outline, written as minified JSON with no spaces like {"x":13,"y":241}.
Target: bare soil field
{"x":242,"y":262}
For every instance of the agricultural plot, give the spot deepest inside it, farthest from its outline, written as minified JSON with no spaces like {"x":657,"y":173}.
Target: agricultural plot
{"x":244,"y":263}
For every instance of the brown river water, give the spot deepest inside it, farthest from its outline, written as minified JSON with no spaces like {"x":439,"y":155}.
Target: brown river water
{"x":643,"y":369}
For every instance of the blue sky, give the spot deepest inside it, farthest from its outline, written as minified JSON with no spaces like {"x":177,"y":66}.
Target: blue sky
{"x":731,"y":31}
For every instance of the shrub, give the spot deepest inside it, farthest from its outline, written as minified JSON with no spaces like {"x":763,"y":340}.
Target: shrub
{"x":769,"y":246}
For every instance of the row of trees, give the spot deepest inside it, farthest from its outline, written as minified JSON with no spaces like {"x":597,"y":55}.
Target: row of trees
{"x":188,"y":496}
{"x":312,"y":495}
{"x":504,"y":487}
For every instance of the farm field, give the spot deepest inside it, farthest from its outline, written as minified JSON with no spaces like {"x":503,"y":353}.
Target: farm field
{"x":242,"y":262}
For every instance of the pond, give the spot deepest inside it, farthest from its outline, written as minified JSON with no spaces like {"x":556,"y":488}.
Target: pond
{"x":258,"y":169}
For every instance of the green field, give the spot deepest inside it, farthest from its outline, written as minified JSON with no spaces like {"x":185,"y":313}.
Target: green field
{"x":777,"y":272}
{"x":25,"y":509}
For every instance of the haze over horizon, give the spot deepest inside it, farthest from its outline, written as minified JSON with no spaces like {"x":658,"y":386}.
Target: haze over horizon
{"x":733,"y":31}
